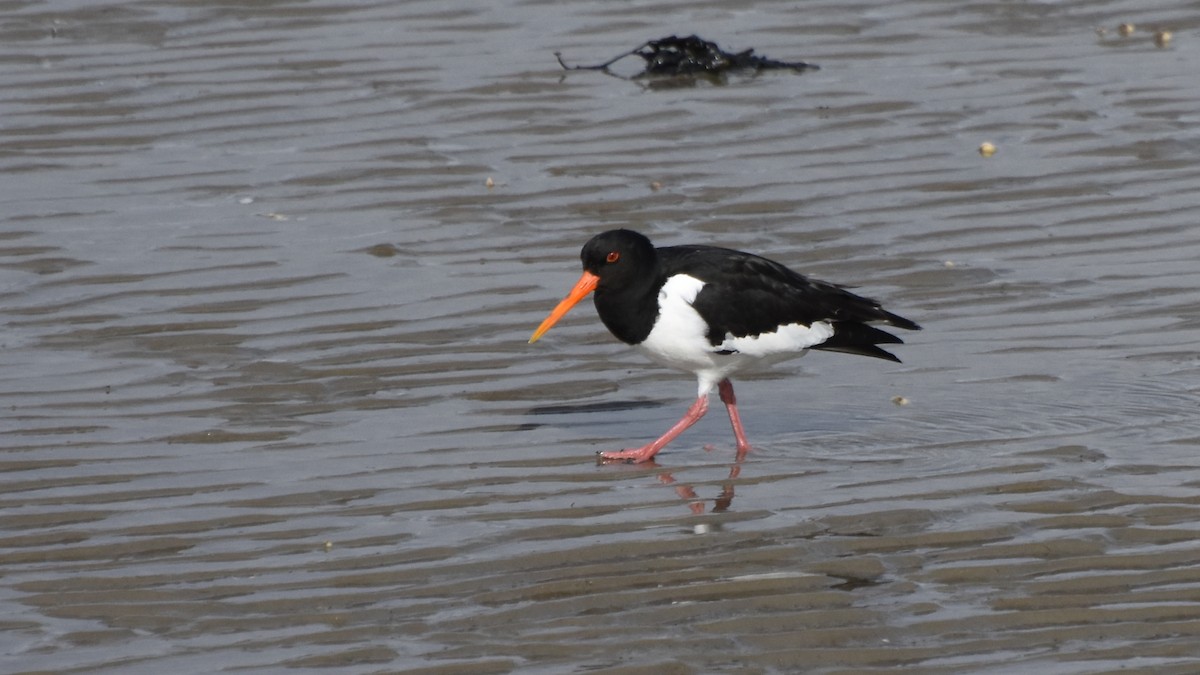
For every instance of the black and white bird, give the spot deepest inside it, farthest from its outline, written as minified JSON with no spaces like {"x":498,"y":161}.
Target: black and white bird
{"x":714,"y":311}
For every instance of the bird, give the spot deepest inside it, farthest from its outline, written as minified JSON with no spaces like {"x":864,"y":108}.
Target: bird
{"x":713,"y":312}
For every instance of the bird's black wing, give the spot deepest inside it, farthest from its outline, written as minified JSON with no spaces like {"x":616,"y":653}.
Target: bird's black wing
{"x":745,"y":295}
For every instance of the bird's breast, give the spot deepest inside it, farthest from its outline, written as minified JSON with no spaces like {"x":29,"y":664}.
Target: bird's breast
{"x":679,"y":338}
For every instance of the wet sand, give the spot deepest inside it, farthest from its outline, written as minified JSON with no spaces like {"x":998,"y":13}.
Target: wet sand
{"x":268,"y":403}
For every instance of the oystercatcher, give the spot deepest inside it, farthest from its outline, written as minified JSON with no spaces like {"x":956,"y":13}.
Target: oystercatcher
{"x":714,"y":311}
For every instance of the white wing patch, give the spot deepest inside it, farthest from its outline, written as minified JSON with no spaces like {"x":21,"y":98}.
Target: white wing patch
{"x":794,"y":337}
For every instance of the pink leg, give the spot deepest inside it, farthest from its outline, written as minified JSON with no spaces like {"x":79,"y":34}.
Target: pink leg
{"x":648,"y":451}
{"x":726,"y":390}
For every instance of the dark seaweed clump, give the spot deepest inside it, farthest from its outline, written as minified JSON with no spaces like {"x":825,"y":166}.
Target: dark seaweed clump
{"x":693,"y":55}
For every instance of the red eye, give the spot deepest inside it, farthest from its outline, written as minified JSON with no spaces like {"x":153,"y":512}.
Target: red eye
{"x":613,"y":257}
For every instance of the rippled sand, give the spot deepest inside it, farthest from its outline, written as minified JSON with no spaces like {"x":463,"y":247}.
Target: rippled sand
{"x":268,"y":403}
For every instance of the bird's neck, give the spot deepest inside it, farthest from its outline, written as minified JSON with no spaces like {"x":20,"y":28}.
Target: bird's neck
{"x":630,"y":311}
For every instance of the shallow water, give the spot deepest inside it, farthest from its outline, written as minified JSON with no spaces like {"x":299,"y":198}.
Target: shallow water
{"x":268,"y":403}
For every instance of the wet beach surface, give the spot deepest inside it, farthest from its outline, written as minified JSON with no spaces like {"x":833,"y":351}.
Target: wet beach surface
{"x":268,"y":403}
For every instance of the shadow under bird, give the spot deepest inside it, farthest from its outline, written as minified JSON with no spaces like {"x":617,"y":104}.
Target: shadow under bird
{"x":715,"y":311}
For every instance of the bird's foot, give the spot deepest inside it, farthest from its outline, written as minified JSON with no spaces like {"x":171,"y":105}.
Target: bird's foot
{"x":634,"y":456}
{"x":742,"y":449}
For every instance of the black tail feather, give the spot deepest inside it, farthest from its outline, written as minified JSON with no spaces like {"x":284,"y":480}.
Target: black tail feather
{"x":898,"y":321}
{"x":850,"y":337}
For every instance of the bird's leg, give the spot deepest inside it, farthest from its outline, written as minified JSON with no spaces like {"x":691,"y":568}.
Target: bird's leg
{"x":725,"y":388}
{"x":645,"y":452}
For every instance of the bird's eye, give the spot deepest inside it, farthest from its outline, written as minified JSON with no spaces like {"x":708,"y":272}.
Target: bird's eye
{"x":613,"y":257}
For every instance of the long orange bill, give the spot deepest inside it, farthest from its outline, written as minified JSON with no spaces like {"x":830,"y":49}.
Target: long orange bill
{"x":586,"y":284}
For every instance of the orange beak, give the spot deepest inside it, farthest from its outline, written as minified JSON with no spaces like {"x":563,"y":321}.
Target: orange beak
{"x":586,"y":284}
